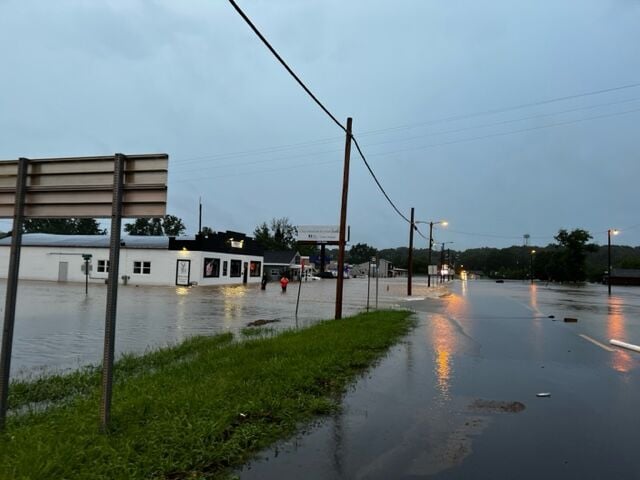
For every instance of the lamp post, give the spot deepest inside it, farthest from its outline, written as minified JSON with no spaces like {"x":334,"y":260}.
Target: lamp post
{"x":442,"y":261}
{"x":444,"y":223}
{"x":609,"y":233}
{"x":533,"y":252}
{"x":412,"y":227}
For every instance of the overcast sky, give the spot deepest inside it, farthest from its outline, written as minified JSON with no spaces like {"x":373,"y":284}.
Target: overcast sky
{"x":190,"y":79}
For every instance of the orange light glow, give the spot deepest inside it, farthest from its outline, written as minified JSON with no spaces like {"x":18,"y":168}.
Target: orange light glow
{"x":621,"y":360}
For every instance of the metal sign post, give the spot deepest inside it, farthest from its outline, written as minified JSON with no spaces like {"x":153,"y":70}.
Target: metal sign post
{"x":134,"y":186}
{"x":112,"y":294}
{"x":12,"y":289}
{"x":86,"y":259}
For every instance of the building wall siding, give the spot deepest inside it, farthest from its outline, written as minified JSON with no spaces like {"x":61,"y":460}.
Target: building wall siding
{"x":42,"y":263}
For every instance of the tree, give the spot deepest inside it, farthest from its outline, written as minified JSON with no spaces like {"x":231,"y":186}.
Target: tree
{"x":207,"y":231}
{"x":173,"y":226}
{"x":361,"y":253}
{"x":63,"y":226}
{"x":169,"y":225}
{"x":569,"y":262}
{"x":262,"y":235}
{"x":279,"y":234}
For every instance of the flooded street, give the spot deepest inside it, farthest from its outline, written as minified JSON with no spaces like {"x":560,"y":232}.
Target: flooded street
{"x":458,"y":398}
{"x":58,"y":327}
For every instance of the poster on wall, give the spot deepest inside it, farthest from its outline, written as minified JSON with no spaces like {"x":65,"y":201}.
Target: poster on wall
{"x":211,"y":267}
{"x":183,"y":272}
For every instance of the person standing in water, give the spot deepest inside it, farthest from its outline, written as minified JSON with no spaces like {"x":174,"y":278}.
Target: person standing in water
{"x":284,"y":281}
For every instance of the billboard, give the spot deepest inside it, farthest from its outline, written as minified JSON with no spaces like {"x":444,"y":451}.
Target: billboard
{"x":318,"y":234}
{"x":81,"y":187}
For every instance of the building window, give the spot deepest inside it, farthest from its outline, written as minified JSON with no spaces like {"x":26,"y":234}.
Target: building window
{"x":254,"y":269}
{"x":142,"y":268}
{"x":103,"y":266}
{"x":236,"y":268}
{"x":275,"y":272}
{"x":225,"y":266}
{"x":211,"y":267}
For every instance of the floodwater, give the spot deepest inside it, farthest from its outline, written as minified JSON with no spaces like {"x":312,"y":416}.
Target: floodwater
{"x":58,"y":327}
{"x":458,"y":397}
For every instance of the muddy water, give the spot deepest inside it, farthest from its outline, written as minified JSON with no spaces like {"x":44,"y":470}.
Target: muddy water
{"x":457,"y":398}
{"x":58,"y":327}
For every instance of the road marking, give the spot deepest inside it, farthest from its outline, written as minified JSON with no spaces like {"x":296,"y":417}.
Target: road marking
{"x":629,"y":346}
{"x":595,"y":342}
{"x":413,"y":299}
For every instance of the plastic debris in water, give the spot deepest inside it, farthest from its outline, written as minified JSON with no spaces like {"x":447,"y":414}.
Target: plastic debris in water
{"x":543,"y":394}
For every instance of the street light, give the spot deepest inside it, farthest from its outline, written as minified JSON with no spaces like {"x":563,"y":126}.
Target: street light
{"x":442,"y":260}
{"x":533,"y":252}
{"x":609,"y":233}
{"x":444,"y":223}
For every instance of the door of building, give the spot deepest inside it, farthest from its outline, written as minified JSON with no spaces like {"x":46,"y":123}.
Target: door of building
{"x":63,"y":271}
{"x":246,"y":272}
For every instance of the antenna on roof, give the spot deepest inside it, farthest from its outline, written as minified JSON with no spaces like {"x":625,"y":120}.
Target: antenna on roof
{"x":200,"y":216}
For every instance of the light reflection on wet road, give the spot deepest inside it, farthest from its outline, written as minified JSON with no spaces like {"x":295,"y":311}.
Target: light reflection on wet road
{"x":443,"y":405}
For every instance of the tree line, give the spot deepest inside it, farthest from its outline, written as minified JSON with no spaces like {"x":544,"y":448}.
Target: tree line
{"x":169,"y":225}
{"x":571,"y":258}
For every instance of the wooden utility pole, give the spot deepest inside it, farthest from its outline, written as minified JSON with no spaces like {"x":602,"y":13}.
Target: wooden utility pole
{"x":410,"y":269}
{"x":343,"y":221}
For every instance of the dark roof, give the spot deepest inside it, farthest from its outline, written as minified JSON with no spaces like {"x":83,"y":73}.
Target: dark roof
{"x":280,"y":257}
{"x":86,"y":241}
{"x":625,"y":272}
{"x":224,"y":242}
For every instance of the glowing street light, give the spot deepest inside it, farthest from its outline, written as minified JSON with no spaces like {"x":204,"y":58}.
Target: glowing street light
{"x":609,"y":233}
{"x":444,"y":223}
{"x":533,"y":252}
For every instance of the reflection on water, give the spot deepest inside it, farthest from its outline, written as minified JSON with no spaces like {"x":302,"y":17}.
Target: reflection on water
{"x":621,"y":360}
{"x":533,"y":297}
{"x":443,"y":337}
{"x":59,"y":327}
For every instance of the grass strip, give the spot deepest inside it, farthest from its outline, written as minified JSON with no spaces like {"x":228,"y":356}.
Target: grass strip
{"x":47,"y":389}
{"x":209,"y":412}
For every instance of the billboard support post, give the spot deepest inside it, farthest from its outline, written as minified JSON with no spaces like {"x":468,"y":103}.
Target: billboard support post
{"x":12,"y":289}
{"x":112,"y":293}
{"x":77,"y":187}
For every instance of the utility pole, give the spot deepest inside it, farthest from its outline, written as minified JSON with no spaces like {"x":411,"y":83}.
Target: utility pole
{"x":441,"y":263}
{"x":343,"y":221}
{"x":377,"y":276}
{"x":410,"y":269}
{"x":200,"y":215}
{"x":609,"y":233}
{"x":429,"y":260}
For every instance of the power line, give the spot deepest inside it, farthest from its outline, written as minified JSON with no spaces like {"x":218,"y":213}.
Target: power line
{"x":284,"y":64}
{"x":508,"y":109}
{"x":288,"y":167}
{"x":491,"y":235}
{"x":325,"y":141}
{"x":315,"y":99}
{"x":501,"y":134}
{"x":391,"y":152}
{"x":377,"y":182}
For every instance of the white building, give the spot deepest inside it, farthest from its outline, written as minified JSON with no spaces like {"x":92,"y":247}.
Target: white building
{"x":219,"y":259}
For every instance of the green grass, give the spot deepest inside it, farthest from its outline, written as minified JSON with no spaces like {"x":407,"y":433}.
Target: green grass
{"x":195,"y":410}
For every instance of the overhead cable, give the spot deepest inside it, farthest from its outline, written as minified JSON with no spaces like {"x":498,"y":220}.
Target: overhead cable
{"x":284,"y":64}
{"x":315,"y":99}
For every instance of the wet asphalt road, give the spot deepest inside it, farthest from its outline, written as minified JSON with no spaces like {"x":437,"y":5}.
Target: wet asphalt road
{"x":441,"y":404}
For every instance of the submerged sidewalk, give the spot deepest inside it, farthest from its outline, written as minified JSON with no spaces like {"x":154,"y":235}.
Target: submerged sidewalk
{"x":457,"y":399}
